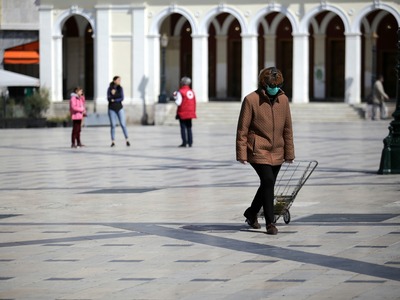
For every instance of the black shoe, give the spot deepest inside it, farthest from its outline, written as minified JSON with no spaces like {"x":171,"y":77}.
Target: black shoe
{"x":253,"y":223}
{"x":182,"y":146}
{"x":73,"y":146}
{"x":127,"y":143}
{"x":112,"y":144}
{"x":190,"y":145}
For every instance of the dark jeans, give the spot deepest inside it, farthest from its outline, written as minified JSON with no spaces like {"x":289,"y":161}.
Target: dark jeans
{"x":186,"y":131}
{"x":265,"y":194}
{"x":76,"y":132}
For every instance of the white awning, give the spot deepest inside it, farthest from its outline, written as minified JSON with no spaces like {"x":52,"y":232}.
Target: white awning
{"x":8,"y":78}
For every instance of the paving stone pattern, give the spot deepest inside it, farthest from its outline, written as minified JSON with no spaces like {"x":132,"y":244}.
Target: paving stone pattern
{"x":154,"y":221}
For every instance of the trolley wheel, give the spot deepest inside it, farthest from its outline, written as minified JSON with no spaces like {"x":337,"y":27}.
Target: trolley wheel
{"x":286,"y":216}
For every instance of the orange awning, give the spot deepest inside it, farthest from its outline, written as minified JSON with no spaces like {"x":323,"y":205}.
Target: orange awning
{"x":21,"y":57}
{"x":23,"y":54}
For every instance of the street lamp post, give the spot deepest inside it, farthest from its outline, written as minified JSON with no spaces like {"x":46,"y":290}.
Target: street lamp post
{"x":162,"y":98}
{"x":390,"y":159}
{"x":373,"y":75}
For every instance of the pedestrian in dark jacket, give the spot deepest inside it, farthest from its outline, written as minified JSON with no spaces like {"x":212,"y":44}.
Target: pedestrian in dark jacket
{"x":185,"y":99}
{"x":115,"y":96}
{"x":264,"y":139}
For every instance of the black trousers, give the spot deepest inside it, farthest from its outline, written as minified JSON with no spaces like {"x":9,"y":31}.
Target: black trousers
{"x":186,"y":131}
{"x":265,"y":194}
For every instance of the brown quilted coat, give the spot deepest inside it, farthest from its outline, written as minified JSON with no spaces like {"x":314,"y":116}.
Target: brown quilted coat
{"x":264,"y":132}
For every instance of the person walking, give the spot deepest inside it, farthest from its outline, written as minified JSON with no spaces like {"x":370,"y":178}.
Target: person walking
{"x":115,"y":96}
{"x":78,"y":111}
{"x":185,"y":99}
{"x":379,"y":109}
{"x":264,"y":138}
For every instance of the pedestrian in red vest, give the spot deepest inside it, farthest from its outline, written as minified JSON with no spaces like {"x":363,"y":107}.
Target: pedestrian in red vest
{"x":185,"y":99}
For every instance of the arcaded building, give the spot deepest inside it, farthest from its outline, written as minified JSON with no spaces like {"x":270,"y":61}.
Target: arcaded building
{"x":328,"y":50}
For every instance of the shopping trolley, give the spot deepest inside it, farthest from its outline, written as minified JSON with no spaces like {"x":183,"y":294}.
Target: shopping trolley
{"x":291,"y":178}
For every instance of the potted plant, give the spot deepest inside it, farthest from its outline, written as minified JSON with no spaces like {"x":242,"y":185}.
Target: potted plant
{"x":35,"y":106}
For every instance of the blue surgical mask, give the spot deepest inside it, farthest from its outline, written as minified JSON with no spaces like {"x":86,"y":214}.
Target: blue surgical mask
{"x":272,"y":91}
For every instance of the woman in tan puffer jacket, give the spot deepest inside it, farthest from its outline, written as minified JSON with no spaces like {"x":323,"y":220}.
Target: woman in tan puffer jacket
{"x":265,"y":140}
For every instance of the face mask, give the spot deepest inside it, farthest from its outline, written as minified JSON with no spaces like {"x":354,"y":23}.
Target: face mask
{"x":272,"y":91}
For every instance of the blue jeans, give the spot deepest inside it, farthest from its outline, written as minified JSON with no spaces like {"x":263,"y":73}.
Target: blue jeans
{"x":113,"y":115}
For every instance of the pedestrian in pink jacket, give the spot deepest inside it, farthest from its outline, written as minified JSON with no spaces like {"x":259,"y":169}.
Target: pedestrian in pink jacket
{"x":78,"y":111}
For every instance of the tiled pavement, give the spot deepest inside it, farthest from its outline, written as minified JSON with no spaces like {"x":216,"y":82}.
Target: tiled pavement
{"x":155,"y":221}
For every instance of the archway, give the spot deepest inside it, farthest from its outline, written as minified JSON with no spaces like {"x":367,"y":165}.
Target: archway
{"x":225,"y":58}
{"x":178,"y":50}
{"x":327,"y":58}
{"x":379,"y":51}
{"x":78,"y":58}
{"x":275,"y":47}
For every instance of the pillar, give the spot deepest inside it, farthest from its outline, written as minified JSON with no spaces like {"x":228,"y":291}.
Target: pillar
{"x":222,"y":66}
{"x":300,"y":68}
{"x":200,"y":67}
{"x":249,"y":63}
{"x":353,"y":69}
{"x":102,"y":54}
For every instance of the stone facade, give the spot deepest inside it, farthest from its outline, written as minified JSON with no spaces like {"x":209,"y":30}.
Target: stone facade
{"x":326,"y":50}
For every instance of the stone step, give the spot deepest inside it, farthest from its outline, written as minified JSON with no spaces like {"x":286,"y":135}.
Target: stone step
{"x":228,"y":112}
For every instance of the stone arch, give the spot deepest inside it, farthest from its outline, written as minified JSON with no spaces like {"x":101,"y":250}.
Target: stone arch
{"x":377,"y":20}
{"x":356,"y":25}
{"x":227,"y":24}
{"x":305,"y":21}
{"x":264,"y":25}
{"x":65,"y":15}
{"x":315,"y":26}
{"x":179,"y":26}
{"x":325,"y":23}
{"x":203,"y":27}
{"x":253,"y":25}
{"x":159,"y":18}
{"x":216,"y":26}
{"x":81,"y":71}
{"x":275,"y":23}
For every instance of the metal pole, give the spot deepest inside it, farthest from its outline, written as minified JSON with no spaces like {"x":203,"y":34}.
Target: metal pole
{"x":390,"y":159}
{"x":373,"y":75}
{"x":163,"y":93}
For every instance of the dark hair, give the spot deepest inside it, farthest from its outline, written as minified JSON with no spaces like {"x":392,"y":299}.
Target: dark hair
{"x":114,"y":78}
{"x":78,"y":88}
{"x":270,"y":75}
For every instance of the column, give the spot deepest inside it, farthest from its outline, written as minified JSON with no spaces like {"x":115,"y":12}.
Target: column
{"x":139,"y":54}
{"x":102,"y":54}
{"x":153,"y":80}
{"x":269,"y":50}
{"x":200,"y":67}
{"x":353,"y":69}
{"x":249,"y":64}
{"x":173,"y":68}
{"x":368,"y":63}
{"x":319,"y":66}
{"x":222,"y":66}
{"x":46,"y":46}
{"x":57,"y":68}
{"x":300,"y":68}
